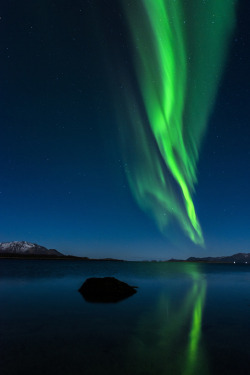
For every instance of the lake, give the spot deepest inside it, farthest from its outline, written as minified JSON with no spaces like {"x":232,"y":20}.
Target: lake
{"x":185,"y":318}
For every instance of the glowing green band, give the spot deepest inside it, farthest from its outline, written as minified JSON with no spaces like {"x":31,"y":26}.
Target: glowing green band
{"x":179,"y":49}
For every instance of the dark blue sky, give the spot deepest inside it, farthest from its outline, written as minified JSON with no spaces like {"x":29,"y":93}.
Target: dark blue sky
{"x":62,"y":177}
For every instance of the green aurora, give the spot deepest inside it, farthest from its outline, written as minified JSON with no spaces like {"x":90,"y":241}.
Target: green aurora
{"x":179,"y":49}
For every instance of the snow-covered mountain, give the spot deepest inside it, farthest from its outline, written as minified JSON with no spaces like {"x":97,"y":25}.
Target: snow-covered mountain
{"x":26,"y":248}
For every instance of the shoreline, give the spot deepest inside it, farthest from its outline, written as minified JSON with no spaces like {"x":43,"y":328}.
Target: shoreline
{"x":86,"y":259}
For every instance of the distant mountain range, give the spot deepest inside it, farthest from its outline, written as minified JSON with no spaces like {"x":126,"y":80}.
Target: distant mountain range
{"x":26,"y":248}
{"x":29,"y":249}
{"x":236,"y":258}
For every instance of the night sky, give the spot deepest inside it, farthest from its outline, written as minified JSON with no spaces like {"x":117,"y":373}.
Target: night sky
{"x":64,"y":66}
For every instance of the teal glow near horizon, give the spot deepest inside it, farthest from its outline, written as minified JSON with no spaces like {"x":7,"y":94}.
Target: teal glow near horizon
{"x":179,"y":51}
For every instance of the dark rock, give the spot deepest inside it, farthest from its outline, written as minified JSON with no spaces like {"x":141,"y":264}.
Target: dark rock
{"x":105,"y":289}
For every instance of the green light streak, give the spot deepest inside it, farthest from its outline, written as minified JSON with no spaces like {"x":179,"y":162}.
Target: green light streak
{"x":162,"y":342}
{"x":179,"y":49}
{"x":195,"y":332}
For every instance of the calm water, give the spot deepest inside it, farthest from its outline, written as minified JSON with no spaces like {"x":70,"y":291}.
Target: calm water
{"x":185,"y":319}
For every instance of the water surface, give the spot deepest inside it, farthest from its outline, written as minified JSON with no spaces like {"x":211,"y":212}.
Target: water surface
{"x":184,"y":319}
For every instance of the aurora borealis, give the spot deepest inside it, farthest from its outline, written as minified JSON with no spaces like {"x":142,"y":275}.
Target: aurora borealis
{"x":125,"y":151}
{"x":125,"y":127}
{"x":177,"y":84}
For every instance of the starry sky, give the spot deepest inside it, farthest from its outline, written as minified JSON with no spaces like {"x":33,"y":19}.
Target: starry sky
{"x":63,"y":177}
